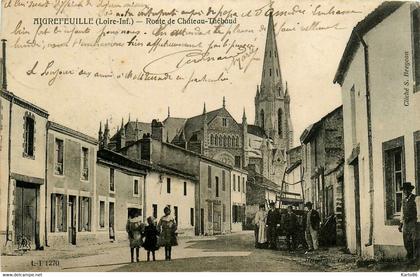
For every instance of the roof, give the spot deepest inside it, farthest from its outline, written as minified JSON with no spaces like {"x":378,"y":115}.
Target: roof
{"x":130,"y":128}
{"x":260,"y":180}
{"x":293,"y":166}
{"x":256,"y":131}
{"x":106,"y":155}
{"x":140,"y":166}
{"x":195,"y":123}
{"x":172,"y":126}
{"x":23,"y":103}
{"x":313,"y":128}
{"x":70,"y":132}
{"x":362,"y":28}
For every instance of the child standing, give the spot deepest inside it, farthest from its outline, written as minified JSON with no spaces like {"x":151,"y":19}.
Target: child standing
{"x":151,"y":242}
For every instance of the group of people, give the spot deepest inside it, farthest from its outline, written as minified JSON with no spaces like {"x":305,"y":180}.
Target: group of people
{"x":269,"y":225}
{"x":153,"y":236}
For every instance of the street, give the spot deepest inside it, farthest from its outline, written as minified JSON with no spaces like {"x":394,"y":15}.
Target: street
{"x":232,"y":252}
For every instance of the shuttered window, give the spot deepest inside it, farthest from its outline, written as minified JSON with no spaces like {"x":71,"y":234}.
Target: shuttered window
{"x":58,"y":212}
{"x":394,"y":173}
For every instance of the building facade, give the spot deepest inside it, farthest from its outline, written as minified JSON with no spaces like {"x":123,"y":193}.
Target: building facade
{"x":381,"y":102}
{"x":23,"y":132}
{"x":71,"y":185}
{"x":322,"y":157}
{"x":239,"y":179}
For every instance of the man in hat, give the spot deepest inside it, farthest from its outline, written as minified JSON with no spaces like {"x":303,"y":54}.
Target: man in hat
{"x":273,"y":221}
{"x":312,"y":221}
{"x":408,"y":221}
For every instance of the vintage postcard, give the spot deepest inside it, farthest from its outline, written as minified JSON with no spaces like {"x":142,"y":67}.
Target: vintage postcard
{"x":209,"y":136}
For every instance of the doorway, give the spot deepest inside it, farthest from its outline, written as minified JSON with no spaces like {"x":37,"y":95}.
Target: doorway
{"x":111,"y":221}
{"x":26,"y":216}
{"x":217,"y":219}
{"x":355,"y":165}
{"x":72,"y":217}
{"x":202,"y":221}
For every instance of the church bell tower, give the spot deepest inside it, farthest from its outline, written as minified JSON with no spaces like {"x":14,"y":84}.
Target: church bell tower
{"x":272,"y":100}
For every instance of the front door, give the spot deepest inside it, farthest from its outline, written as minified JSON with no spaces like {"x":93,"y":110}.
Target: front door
{"x":111,"y":221}
{"x":355,"y":165}
{"x":202,"y":221}
{"x":72,"y":217}
{"x":217,"y":219}
{"x":26,"y":213}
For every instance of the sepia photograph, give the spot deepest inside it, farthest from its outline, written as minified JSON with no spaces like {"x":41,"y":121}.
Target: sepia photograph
{"x":209,"y":136}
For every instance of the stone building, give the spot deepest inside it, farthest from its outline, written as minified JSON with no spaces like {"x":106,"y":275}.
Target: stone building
{"x":381,"y":103}
{"x":292,"y":186}
{"x":214,"y":199}
{"x":23,"y":132}
{"x":322,"y":158}
{"x":128,"y":183}
{"x":71,"y":185}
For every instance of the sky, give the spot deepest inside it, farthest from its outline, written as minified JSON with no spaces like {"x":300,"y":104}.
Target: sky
{"x":308,"y":61}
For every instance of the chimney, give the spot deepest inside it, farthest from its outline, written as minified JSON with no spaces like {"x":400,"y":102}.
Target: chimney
{"x":146,"y":148}
{"x":4,"y":79}
{"x":157,"y":130}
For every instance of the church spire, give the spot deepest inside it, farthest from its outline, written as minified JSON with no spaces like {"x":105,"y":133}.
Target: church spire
{"x":271,"y":80}
{"x":204,"y":108}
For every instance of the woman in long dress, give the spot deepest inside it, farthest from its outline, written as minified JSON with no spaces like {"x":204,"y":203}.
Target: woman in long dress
{"x":135,"y":229}
{"x":167,"y":227}
{"x":260,"y":227}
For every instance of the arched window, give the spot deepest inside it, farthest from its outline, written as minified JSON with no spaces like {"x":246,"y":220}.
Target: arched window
{"x":237,"y":142}
{"x":229,"y":142}
{"x":211,"y":139}
{"x":262,"y":119}
{"x":224,"y":141}
{"x":280,"y":122}
{"x":220,"y":140}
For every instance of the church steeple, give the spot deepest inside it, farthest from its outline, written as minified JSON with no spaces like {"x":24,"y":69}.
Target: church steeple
{"x":272,"y":100}
{"x":271,"y":79}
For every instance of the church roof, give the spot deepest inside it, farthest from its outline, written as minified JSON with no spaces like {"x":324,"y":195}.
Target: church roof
{"x":256,"y":131}
{"x":172,"y":126}
{"x":194,"y":124}
{"x":130,"y":130}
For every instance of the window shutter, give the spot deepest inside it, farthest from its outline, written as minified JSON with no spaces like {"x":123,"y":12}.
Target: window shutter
{"x":89,"y":215}
{"x":64,"y":213}
{"x":52,"y":212}
{"x":25,"y":136}
{"x":389,"y":185}
{"x":80,"y":214}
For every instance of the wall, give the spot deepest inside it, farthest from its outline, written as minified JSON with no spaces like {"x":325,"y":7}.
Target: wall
{"x":156,"y":193}
{"x":387,"y":94}
{"x":70,"y":183}
{"x":208,"y":195}
{"x":29,"y":167}
{"x":123,"y":198}
{"x":238,"y":197}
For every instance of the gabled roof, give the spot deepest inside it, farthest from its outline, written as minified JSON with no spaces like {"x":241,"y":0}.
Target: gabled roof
{"x":194,"y":124}
{"x":311,"y":129}
{"x":172,"y":126}
{"x":363,"y":27}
